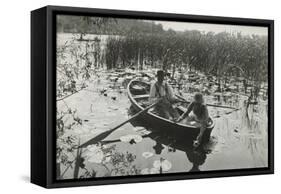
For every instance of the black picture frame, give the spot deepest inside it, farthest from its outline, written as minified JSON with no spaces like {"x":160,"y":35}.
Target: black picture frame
{"x":43,"y":95}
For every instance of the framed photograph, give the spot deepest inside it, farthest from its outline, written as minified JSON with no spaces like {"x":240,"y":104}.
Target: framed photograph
{"x":126,"y":96}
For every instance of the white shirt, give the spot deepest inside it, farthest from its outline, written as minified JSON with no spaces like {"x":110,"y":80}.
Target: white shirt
{"x":163,"y":90}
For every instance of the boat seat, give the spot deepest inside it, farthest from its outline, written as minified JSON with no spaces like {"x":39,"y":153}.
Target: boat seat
{"x":181,"y":108}
{"x":141,"y":96}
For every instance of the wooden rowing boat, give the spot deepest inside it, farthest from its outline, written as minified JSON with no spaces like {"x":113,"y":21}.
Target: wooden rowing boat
{"x":138,"y":93}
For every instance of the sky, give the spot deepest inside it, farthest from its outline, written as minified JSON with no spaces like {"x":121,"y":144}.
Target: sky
{"x":217,"y":28}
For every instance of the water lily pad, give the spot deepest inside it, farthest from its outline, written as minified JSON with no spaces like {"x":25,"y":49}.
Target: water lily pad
{"x":94,"y":154}
{"x":92,"y":148}
{"x":107,"y":159}
{"x":96,"y":158}
{"x":147,"y":154}
{"x":129,"y":138}
{"x":154,"y":171}
{"x":144,"y":132}
{"x":68,"y":120}
{"x":164,"y":164}
{"x":145,"y":171}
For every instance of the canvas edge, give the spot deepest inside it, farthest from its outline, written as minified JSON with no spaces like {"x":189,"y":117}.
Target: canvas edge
{"x":51,"y":183}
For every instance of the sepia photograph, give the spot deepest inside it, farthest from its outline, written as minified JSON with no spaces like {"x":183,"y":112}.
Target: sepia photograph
{"x":142,"y":97}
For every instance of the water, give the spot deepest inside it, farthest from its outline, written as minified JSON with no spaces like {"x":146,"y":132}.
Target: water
{"x":238,"y":141}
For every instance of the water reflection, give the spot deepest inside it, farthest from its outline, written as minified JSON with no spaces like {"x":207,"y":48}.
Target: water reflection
{"x":158,"y":148}
{"x":174,"y":143}
{"x":195,"y":156}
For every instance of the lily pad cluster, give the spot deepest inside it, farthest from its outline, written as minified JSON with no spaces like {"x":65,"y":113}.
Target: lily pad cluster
{"x":159,"y":166}
{"x":147,"y":154}
{"x":94,"y":154}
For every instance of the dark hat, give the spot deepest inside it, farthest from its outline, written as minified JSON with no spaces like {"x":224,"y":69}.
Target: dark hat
{"x":160,"y":73}
{"x":198,"y":97}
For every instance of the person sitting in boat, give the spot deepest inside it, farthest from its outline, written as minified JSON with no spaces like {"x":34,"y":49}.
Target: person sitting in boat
{"x":200,"y":115}
{"x":162,"y":91}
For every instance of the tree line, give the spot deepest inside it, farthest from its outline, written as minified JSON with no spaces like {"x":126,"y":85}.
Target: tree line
{"x":140,"y":43}
{"x":105,"y":25}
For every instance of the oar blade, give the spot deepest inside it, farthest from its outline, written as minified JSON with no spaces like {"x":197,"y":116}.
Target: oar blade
{"x":107,"y":133}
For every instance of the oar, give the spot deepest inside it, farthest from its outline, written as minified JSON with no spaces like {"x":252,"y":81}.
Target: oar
{"x":105,"y":134}
{"x":220,"y":106}
{"x":233,"y":109}
{"x":227,"y":113}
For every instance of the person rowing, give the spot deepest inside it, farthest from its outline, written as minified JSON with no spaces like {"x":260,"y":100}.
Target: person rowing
{"x":200,"y":115}
{"x":162,"y":91}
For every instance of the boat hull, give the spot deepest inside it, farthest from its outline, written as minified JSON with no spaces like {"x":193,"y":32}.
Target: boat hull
{"x":159,"y":124}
